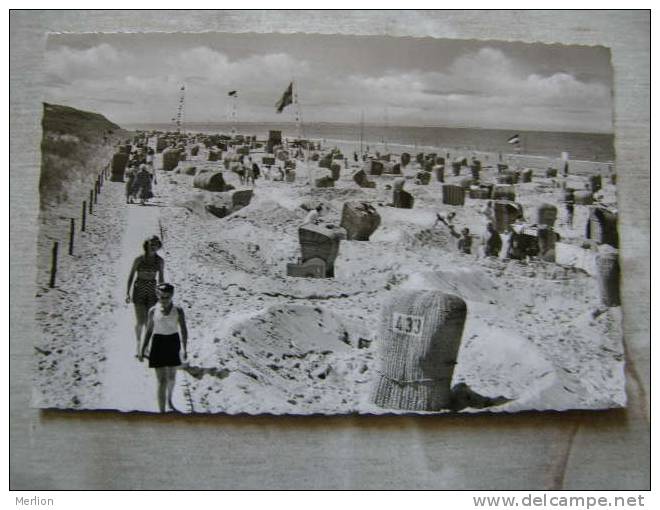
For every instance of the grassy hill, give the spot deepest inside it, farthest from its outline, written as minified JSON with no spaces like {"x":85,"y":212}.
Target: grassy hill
{"x":75,"y":145}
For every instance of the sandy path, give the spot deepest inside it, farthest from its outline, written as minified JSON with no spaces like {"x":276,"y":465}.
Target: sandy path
{"x":128,"y":384}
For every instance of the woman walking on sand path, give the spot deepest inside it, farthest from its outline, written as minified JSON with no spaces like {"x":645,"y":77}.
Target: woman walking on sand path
{"x":130,"y":184}
{"x":164,"y":323}
{"x":145,"y":269}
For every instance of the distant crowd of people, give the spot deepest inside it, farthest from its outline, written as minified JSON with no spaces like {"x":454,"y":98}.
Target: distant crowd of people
{"x":140,"y":176}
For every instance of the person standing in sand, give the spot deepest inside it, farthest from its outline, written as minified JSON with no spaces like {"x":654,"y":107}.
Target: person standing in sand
{"x":143,"y":184}
{"x":142,"y":279}
{"x":248,"y":173}
{"x":465,"y":242}
{"x":164,"y":324}
{"x":130,"y":185}
{"x":255,"y":171}
{"x":570,"y":210}
{"x":492,"y":242}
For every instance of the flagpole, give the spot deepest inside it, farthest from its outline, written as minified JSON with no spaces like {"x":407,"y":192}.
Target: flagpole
{"x":361,"y":132}
{"x":298,"y":109}
{"x":299,"y":126}
{"x":234,"y":114}
{"x":180,"y":109}
{"x":387,"y":123}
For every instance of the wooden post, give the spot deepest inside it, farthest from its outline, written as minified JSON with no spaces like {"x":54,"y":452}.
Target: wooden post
{"x":96,"y":193}
{"x":91,"y":201}
{"x":71,"y":235}
{"x":53,"y":266}
{"x":84,"y":216}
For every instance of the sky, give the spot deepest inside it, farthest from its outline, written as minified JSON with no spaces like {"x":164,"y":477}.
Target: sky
{"x":136,"y":78}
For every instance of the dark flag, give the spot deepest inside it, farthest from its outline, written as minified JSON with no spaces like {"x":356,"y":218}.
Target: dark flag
{"x":232,"y":93}
{"x":287,"y":98}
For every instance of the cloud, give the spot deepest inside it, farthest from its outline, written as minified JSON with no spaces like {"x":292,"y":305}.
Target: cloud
{"x":485,"y":88}
{"x":109,"y":101}
{"x":488,"y":88}
{"x":68,"y":63}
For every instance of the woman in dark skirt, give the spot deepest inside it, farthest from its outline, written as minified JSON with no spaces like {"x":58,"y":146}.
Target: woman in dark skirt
{"x":167,"y":333}
{"x":142,"y":280}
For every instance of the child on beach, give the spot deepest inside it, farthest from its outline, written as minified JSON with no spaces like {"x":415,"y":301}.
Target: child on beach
{"x":167,"y":337}
{"x":146,"y":268}
{"x":255,"y":170}
{"x":465,"y":242}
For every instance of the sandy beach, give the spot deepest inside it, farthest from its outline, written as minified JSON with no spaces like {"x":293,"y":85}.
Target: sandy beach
{"x":263,"y":342}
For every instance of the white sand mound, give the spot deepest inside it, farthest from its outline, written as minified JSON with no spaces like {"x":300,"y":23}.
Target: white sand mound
{"x":496,"y":361}
{"x":268,"y":213}
{"x":295,"y":355}
{"x":469,"y":284}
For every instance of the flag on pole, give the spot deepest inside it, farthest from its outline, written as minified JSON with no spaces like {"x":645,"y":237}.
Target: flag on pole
{"x":515,"y":139}
{"x":286,"y":99}
{"x":232,"y":93}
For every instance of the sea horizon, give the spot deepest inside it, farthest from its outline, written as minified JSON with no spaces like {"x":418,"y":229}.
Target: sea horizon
{"x":598,"y":147}
{"x":171,"y":126}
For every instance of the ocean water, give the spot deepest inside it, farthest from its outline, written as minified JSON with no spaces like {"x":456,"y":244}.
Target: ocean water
{"x":580,"y":146}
